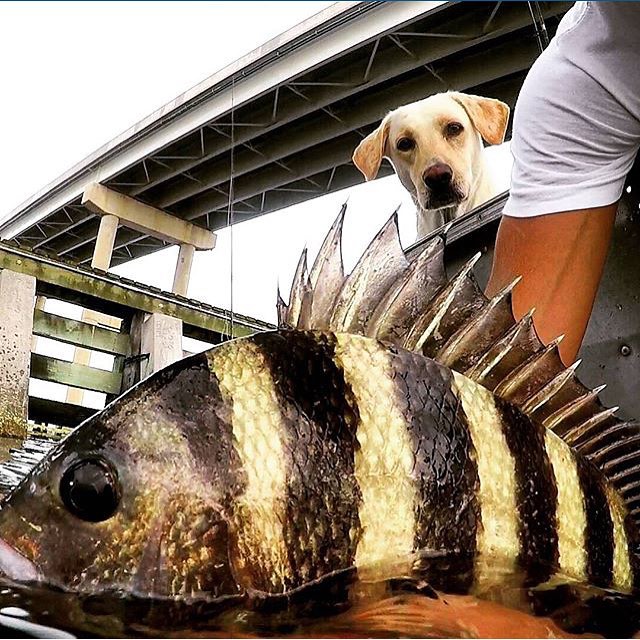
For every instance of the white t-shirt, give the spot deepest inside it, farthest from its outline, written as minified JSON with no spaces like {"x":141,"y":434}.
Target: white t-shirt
{"x":577,"y":120}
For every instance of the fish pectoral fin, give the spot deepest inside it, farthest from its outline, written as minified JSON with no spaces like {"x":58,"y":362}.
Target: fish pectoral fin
{"x":151,"y":575}
{"x":323,"y":588}
{"x":417,"y":616}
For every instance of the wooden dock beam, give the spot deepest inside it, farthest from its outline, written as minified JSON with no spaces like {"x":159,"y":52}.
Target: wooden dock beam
{"x":142,"y":314}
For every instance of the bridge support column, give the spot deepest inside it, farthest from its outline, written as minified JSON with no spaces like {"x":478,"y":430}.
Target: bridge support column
{"x":104,"y":242}
{"x":183,"y":269}
{"x":17,"y":303}
{"x":161,"y":338}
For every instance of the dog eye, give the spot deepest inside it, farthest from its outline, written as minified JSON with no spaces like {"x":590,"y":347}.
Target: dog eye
{"x":453,"y":129}
{"x":405,"y":144}
{"x":89,"y":489}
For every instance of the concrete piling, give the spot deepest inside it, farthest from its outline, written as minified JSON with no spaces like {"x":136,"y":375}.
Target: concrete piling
{"x":18,"y":293}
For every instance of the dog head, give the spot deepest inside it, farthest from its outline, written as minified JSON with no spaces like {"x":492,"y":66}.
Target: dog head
{"x":435,"y":146}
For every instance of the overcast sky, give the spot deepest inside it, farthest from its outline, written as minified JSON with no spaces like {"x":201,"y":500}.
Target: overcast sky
{"x":76,"y":74}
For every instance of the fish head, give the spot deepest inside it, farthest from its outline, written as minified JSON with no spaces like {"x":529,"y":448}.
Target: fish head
{"x":135,"y":499}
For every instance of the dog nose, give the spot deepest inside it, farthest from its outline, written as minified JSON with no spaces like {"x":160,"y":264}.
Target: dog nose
{"x":438,"y":175}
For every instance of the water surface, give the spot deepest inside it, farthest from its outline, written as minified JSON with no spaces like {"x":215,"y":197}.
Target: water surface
{"x":370,"y":611}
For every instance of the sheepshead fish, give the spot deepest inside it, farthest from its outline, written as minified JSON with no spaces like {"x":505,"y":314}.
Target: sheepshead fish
{"x":398,"y":426}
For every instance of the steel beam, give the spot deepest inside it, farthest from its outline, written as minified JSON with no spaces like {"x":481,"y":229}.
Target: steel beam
{"x":64,"y":230}
{"x":394,"y":62}
{"x":337,"y":151}
{"x":370,"y":108}
{"x":505,"y":89}
{"x":336,"y":31}
{"x":475,"y":70}
{"x":89,"y":234}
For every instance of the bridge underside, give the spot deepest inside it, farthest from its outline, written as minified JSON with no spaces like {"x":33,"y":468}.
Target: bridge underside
{"x":293,"y":141}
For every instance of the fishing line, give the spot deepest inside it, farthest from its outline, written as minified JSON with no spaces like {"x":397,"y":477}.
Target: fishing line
{"x":537,"y":17}
{"x":230,"y":210}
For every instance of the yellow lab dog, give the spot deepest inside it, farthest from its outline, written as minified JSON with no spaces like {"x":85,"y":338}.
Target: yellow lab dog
{"x":435,"y":146}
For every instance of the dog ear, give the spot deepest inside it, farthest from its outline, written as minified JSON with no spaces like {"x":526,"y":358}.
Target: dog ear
{"x":489,"y":116}
{"x":368,"y":154}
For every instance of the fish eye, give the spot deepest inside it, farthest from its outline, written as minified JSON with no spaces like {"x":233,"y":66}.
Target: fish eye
{"x":453,"y":129}
{"x":405,"y":144}
{"x":90,"y":490}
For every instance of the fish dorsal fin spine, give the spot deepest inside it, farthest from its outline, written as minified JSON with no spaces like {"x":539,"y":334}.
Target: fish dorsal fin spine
{"x":550,"y":390}
{"x":462,"y":351}
{"x":411,"y":304}
{"x":299,"y":290}
{"x":381,"y":264}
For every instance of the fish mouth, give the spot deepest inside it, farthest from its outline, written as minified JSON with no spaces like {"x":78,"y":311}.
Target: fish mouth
{"x":15,"y":566}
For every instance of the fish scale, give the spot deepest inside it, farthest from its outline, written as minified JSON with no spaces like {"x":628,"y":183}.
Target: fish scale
{"x":395,"y":427}
{"x":457,"y":326}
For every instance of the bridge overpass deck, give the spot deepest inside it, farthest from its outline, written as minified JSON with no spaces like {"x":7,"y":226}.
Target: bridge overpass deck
{"x":292,"y":111}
